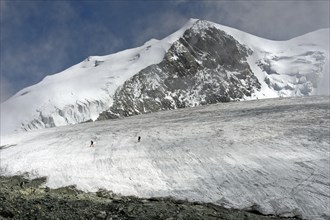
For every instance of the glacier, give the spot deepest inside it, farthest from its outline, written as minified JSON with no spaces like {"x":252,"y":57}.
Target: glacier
{"x":269,"y":154}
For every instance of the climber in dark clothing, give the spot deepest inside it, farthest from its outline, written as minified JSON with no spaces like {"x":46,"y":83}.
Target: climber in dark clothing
{"x":92,"y":144}
{"x":139,"y":138}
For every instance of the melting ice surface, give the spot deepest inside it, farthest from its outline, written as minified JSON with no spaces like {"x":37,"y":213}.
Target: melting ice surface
{"x":272,"y":154}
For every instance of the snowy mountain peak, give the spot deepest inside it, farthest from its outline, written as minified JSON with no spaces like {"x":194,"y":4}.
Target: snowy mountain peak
{"x":201,"y":63}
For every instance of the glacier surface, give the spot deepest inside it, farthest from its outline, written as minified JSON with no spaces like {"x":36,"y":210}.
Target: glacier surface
{"x":272,"y":154}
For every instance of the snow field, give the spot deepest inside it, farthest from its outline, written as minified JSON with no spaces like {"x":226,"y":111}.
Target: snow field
{"x":272,"y":154}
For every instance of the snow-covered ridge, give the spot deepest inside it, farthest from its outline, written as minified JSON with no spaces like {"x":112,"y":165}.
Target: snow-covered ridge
{"x":296,"y":67}
{"x":272,"y":154}
{"x":82,"y":91}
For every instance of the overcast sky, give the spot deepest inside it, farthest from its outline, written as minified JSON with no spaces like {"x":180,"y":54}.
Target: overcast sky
{"x":39,"y":38}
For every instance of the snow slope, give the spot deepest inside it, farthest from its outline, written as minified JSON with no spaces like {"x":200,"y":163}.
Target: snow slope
{"x":272,"y":154}
{"x":288,"y":64}
{"x":296,"y":67}
{"x":82,"y":91}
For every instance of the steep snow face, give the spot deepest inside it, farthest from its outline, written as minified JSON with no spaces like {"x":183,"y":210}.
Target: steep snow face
{"x":212,"y":62}
{"x":272,"y":154}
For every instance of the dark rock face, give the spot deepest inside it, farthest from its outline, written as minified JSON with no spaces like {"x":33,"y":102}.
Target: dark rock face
{"x":205,"y":66}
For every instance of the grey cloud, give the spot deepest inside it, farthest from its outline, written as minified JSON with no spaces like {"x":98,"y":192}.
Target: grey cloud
{"x":277,"y":20}
{"x":3,"y":5}
{"x":157,"y":25}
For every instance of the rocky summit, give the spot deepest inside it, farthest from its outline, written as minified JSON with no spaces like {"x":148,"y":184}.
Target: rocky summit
{"x":204,"y":66}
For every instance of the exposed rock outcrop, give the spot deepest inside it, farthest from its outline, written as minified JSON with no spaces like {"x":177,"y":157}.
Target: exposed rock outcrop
{"x":204,"y":66}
